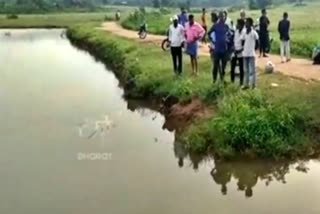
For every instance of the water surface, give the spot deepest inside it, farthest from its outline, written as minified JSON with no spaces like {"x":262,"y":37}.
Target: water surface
{"x":51,"y":96}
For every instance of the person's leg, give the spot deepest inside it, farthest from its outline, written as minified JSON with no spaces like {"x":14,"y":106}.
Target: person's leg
{"x":174,"y":58}
{"x":179,"y":55}
{"x":288,"y":54}
{"x":233,"y":67}
{"x":260,"y":44}
{"x":224,"y":60}
{"x":192,"y":64}
{"x":215,"y":67}
{"x":282,"y":49}
{"x":246,"y":71}
{"x":265,"y":45}
{"x":240,"y":59}
{"x":196,"y":65}
{"x":252,"y":66}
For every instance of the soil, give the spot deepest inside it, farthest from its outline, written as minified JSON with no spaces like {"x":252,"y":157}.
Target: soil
{"x":297,"y":67}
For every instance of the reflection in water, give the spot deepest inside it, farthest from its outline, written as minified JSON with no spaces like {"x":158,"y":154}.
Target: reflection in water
{"x":246,"y":173}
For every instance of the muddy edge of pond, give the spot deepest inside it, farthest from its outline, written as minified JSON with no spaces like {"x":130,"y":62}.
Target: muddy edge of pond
{"x":179,"y":114}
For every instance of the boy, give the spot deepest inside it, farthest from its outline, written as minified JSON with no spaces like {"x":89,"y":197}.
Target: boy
{"x":194,"y":32}
{"x":283,"y":29}
{"x":176,"y":39}
{"x":250,"y":40}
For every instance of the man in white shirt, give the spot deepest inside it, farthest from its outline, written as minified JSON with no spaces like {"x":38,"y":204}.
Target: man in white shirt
{"x":249,"y":53}
{"x":176,"y":39}
{"x":238,"y":48}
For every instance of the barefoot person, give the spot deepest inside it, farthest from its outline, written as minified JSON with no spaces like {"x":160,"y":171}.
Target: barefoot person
{"x":283,"y":29}
{"x":176,"y":39}
{"x":193,"y":32}
{"x":220,"y":30}
{"x":250,"y":40}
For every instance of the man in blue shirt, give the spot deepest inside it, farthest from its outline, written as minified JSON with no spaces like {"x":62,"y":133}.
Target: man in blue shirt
{"x":220,"y":52}
{"x":183,"y":17}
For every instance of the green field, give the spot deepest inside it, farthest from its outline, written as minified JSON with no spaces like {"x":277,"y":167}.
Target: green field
{"x":305,"y":23}
{"x":269,"y":122}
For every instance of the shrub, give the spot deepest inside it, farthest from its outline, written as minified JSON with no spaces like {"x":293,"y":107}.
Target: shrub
{"x":12,"y":16}
{"x":247,"y":121}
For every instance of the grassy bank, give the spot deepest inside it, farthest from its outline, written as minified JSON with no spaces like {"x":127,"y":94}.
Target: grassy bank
{"x":269,"y":122}
{"x":304,"y":20}
{"x":52,"y":20}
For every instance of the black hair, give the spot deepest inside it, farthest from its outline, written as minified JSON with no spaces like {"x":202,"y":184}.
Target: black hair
{"x":214,"y":17}
{"x":191,"y":16}
{"x":241,"y":22}
{"x":263,"y":10}
{"x":285,"y":14}
{"x":203,"y":9}
{"x":249,"y":21}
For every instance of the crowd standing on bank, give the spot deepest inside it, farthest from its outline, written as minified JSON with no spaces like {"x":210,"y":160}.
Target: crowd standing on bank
{"x":228,"y":42}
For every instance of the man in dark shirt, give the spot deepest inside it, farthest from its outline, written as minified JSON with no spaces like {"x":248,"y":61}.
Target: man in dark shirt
{"x":283,"y":29}
{"x":220,"y":57}
{"x":264,"y":33}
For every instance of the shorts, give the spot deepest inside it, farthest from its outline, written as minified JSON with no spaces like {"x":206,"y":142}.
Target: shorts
{"x":192,"y":49}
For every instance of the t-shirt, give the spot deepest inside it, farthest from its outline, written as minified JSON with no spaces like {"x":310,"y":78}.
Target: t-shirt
{"x":283,"y":28}
{"x":238,"y":40}
{"x":220,"y":29}
{"x":183,"y":19}
{"x":194,"y":32}
{"x":263,"y":24}
{"x":176,"y":35}
{"x":250,"y":43}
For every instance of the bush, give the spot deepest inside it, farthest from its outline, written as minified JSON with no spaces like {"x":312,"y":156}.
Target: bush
{"x":12,"y":16}
{"x":248,"y":122}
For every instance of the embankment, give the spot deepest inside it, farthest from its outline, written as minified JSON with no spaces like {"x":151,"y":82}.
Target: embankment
{"x":253,"y":123}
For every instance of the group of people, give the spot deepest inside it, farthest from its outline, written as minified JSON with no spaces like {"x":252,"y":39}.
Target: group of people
{"x":237,"y":44}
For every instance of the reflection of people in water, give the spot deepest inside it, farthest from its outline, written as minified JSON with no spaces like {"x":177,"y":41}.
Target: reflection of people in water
{"x":180,"y":152}
{"x":221,"y":174}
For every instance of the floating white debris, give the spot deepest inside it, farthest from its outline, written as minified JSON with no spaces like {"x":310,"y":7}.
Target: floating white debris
{"x":274,"y":84}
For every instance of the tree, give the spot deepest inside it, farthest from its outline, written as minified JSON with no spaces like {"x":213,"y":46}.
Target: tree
{"x":156,"y":3}
{"x":263,"y":3}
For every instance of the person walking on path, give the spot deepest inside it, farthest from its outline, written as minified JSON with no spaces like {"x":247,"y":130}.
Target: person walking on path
{"x":176,"y":39}
{"x":264,"y":33}
{"x":220,"y":30}
{"x":204,"y":24}
{"x":193,"y":33}
{"x":250,"y":40}
{"x":283,"y":29}
{"x":238,"y":48}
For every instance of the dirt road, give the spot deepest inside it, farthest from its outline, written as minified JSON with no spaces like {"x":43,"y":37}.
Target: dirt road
{"x":300,"y":68}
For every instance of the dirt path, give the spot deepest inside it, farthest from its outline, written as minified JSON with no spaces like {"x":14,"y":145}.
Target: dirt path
{"x":300,"y":68}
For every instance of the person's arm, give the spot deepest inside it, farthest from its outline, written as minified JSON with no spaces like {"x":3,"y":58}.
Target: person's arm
{"x":210,"y":32}
{"x":170,"y":34}
{"x":201,"y":31}
{"x":279,"y":25}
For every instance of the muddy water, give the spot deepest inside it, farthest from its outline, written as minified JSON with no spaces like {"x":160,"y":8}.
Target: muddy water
{"x":60,"y":154}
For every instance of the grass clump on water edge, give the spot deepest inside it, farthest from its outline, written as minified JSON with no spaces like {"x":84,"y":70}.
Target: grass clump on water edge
{"x":248,"y":123}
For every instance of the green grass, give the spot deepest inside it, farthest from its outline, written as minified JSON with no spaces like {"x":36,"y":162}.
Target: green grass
{"x":305,"y":25}
{"x":268,"y":122}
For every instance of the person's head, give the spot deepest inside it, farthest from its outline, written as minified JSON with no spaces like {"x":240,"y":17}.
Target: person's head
{"x":221,"y":16}
{"x":182,"y":10}
{"x":191,"y":19}
{"x":240,"y":24}
{"x":214,"y":17}
{"x":264,"y":12}
{"x":203,"y":10}
{"x":285,"y":15}
{"x":249,"y":22}
{"x":225,"y":14}
{"x":243,"y":14}
{"x":175,"y":20}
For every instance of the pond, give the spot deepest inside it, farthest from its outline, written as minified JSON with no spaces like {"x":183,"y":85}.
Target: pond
{"x":70,"y":143}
